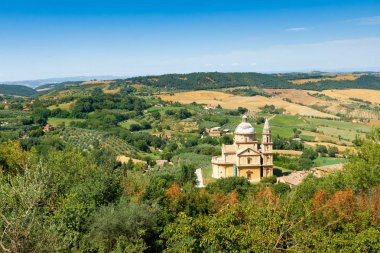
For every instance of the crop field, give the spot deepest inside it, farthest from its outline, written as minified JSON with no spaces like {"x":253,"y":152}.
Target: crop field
{"x":368,"y":95}
{"x":97,"y":82}
{"x":163,"y":108}
{"x":253,"y":104}
{"x":327,"y":144}
{"x":127,"y":123}
{"x":349,"y":77}
{"x":85,"y":139}
{"x":333,"y":101}
{"x":323,"y":161}
{"x":125,"y":159}
{"x":63,"y":106}
{"x":61,"y":121}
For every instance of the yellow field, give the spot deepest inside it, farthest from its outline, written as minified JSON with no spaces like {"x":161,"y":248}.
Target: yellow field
{"x":230,"y":101}
{"x":97,"y":82}
{"x":287,"y":152}
{"x":340,"y":148}
{"x":334,"y":106}
{"x":64,"y":106}
{"x":125,"y":159}
{"x":349,"y":77}
{"x":368,"y":95}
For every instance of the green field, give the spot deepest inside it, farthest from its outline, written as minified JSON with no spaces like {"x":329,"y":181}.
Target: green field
{"x":165,"y":108}
{"x":127,"y":123}
{"x":60,"y":121}
{"x":63,"y":106}
{"x":322,"y":161}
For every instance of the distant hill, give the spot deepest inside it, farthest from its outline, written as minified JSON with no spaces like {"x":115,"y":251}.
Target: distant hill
{"x":216,"y":80}
{"x":39,"y":82}
{"x":18,"y":90}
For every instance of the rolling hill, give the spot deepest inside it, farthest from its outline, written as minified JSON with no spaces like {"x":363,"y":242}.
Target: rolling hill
{"x":18,"y":90}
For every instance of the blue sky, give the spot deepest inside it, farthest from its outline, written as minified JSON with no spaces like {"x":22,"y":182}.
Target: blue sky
{"x":51,"y":38}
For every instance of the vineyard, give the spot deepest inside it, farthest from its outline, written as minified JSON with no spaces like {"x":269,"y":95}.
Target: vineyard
{"x":85,"y":139}
{"x":14,"y":123}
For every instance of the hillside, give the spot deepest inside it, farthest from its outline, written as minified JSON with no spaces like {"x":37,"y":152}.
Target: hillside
{"x":17,"y":90}
{"x":215,"y":80}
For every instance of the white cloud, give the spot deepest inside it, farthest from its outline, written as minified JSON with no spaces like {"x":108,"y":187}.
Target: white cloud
{"x":296,"y":29}
{"x":374,"y":20}
{"x":335,"y":55}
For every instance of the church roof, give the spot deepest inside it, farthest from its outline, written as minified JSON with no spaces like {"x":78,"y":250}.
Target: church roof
{"x":244,"y":127}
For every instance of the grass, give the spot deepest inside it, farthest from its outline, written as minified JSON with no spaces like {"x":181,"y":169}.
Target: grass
{"x":323,"y":161}
{"x":127,"y":123}
{"x":166,"y":108}
{"x":64,"y":106}
{"x":59,"y":121}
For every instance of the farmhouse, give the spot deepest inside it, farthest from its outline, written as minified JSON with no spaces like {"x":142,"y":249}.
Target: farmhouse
{"x":245,"y":157}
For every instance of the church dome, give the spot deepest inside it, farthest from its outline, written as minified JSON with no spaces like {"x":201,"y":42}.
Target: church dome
{"x":244,"y":127}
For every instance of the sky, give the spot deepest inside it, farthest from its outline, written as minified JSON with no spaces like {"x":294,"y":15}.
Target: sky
{"x":60,"y":38}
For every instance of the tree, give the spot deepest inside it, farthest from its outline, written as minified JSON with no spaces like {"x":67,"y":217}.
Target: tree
{"x":39,"y":113}
{"x":321,"y":149}
{"x":187,"y":174}
{"x":333,"y":151}
{"x":122,"y":225}
{"x":309,"y":153}
{"x":242,"y":110}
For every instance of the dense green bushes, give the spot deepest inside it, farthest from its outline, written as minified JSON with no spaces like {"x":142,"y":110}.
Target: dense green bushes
{"x":54,"y":198}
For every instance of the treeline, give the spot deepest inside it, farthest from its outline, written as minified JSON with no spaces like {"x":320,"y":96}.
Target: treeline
{"x":217,"y":80}
{"x":17,"y":90}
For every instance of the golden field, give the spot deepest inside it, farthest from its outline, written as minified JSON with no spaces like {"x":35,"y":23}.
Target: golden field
{"x":230,"y":101}
{"x":349,"y":77}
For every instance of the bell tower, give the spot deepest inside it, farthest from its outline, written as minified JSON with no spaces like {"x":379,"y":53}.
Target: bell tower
{"x":267,"y":150}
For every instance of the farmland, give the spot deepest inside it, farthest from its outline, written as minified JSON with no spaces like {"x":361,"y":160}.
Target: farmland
{"x":349,"y":77}
{"x":230,"y":101}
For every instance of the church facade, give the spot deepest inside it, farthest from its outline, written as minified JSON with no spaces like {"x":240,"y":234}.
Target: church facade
{"x":246,"y":157}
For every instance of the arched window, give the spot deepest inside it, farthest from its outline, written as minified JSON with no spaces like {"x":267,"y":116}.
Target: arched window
{"x":249,"y":175}
{"x":249,"y":160}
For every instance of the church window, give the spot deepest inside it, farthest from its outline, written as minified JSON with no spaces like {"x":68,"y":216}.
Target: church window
{"x":249,"y":175}
{"x":249,"y":160}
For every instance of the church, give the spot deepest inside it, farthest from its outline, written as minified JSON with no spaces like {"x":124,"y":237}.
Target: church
{"x":246,"y":157}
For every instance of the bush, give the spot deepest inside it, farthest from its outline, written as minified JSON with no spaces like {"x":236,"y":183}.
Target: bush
{"x":269,"y":180}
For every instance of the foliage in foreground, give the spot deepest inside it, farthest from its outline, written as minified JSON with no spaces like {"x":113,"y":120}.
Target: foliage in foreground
{"x":68,"y":201}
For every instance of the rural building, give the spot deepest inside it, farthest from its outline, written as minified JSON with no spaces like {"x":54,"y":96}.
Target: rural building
{"x":325,"y":170}
{"x":48,"y":128}
{"x":161,"y":163}
{"x":294,"y":178}
{"x":245,"y":157}
{"x":215,"y":132}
